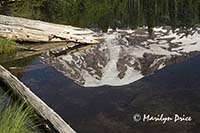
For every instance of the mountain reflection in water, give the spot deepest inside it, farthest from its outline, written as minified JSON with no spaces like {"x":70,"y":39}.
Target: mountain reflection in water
{"x":98,"y":90}
{"x":127,"y":55}
{"x":108,"y":109}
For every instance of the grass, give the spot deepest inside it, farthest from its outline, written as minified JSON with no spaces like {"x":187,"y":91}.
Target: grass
{"x":16,"y":117}
{"x":7,"y":46}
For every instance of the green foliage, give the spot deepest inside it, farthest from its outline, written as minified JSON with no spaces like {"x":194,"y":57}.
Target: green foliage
{"x":7,"y":46}
{"x":16,"y":117}
{"x":114,"y":13}
{"x":27,"y":8}
{"x":5,"y":6}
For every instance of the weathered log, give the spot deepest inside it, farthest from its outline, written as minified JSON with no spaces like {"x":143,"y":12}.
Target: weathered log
{"x":42,"y":108}
{"x":37,"y":31}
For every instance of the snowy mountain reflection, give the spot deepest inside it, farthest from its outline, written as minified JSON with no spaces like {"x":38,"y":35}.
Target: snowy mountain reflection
{"x":126,"y":56}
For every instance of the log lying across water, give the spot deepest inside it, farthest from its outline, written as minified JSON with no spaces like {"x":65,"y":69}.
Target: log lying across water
{"x":42,"y":108}
{"x":37,"y":31}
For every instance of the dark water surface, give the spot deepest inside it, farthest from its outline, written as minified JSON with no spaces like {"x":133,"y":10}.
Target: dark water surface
{"x":107,"y":109}
{"x":1,"y":90}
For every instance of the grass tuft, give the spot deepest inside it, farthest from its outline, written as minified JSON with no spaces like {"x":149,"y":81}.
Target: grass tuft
{"x":7,"y":46}
{"x":16,"y":117}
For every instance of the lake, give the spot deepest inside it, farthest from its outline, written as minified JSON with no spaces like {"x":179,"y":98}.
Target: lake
{"x":169,"y":91}
{"x":148,"y":65}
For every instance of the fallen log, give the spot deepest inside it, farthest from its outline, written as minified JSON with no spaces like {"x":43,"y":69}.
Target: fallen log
{"x":37,"y":31}
{"x":42,"y":108}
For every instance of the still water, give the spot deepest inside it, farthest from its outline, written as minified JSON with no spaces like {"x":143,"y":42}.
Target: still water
{"x":110,"y":109}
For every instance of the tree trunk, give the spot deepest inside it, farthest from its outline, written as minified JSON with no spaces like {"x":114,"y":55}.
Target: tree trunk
{"x":37,"y":31}
{"x":42,"y":108}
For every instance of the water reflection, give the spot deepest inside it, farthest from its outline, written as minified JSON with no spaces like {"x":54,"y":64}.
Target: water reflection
{"x":127,"y":55}
{"x":124,"y":57}
{"x":105,"y":109}
{"x":110,"y":109}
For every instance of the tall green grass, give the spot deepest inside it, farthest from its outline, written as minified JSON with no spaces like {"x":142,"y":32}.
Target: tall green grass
{"x":7,"y":46}
{"x":16,"y":117}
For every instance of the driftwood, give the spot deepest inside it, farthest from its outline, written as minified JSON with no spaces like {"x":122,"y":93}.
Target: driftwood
{"x":43,"y":109}
{"x":37,"y":31}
